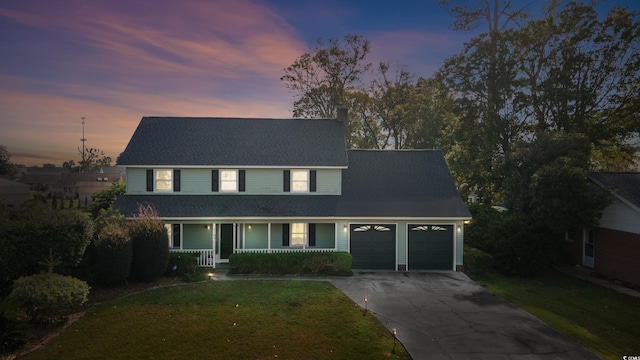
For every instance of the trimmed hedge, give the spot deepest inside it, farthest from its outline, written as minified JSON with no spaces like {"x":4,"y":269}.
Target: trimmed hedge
{"x":149,"y":242}
{"x":112,"y":252}
{"x":476,"y":260}
{"x":181,"y":263}
{"x":312,"y":263}
{"x":50,"y":297}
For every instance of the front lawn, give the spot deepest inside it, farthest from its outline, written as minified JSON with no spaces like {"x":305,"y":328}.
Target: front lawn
{"x":601,"y":319}
{"x":228,"y":320}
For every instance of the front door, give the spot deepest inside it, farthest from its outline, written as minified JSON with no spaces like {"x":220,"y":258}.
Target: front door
{"x":226,"y":240}
{"x":587,"y":257}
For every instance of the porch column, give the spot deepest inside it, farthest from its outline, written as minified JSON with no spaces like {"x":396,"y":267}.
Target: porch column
{"x":269,"y":236}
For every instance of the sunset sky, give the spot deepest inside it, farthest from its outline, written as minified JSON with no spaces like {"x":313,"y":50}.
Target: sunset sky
{"x":115,"y":61}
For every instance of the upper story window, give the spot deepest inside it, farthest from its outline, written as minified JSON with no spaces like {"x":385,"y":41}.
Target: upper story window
{"x":228,"y":180}
{"x":163,"y":180}
{"x":299,"y":180}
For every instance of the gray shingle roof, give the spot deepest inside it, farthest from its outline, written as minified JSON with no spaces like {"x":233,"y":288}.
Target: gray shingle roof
{"x":178,"y":141}
{"x":378,"y":183}
{"x":626,"y":185}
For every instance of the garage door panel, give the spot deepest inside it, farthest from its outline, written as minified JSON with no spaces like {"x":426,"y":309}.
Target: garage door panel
{"x":430,"y":247}
{"x":373,"y":246}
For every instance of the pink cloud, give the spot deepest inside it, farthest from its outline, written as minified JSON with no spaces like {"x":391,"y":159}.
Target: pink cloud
{"x":192,"y":58}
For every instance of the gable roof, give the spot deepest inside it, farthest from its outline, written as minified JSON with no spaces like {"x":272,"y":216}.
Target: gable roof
{"x":624,"y":185}
{"x":236,"y":142}
{"x":403,"y":182}
{"x":377,"y":183}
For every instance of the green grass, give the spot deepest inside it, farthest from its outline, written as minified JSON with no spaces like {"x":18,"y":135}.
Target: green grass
{"x":227,"y":320}
{"x":603,"y":320}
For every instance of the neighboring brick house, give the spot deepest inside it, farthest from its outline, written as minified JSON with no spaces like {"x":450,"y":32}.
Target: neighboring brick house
{"x":612,"y":249}
{"x":233,"y":185}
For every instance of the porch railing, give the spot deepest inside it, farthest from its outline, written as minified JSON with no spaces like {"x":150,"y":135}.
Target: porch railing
{"x":276,"y":251}
{"x":207,"y":257}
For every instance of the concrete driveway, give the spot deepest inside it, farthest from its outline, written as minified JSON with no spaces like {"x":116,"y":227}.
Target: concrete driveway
{"x":445,"y":315}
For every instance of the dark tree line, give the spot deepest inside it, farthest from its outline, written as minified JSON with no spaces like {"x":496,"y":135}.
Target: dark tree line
{"x":523,"y":113}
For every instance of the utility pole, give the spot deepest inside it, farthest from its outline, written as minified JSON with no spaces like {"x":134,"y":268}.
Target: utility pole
{"x":83,"y":141}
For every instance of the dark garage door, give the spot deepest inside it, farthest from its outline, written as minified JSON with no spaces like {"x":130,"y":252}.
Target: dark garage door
{"x":373,"y":246}
{"x":430,"y":247}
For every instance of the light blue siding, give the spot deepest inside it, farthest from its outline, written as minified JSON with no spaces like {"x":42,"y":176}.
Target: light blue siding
{"x":325,"y":233}
{"x":257,"y":236}
{"x":257,"y":182}
{"x":196,"y":237}
{"x":195,"y":181}
{"x":263,"y":181}
{"x":329,"y":182}
{"x":459,"y":243}
{"x":276,"y":236}
{"x":343,"y":236}
{"x":136,"y":181}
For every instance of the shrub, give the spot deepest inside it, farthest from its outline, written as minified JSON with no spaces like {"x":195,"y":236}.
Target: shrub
{"x":150,"y":247}
{"x":181,"y":263}
{"x":103,"y":199}
{"x":112,"y":252}
{"x":14,"y":326}
{"x":329,"y":263}
{"x":34,"y":232}
{"x":519,"y":245}
{"x":476,"y":260}
{"x":49,"y":297}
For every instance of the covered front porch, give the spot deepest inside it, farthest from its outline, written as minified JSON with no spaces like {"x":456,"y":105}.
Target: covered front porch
{"x":216,"y":241}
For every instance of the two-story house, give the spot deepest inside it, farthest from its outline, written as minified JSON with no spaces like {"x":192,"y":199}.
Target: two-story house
{"x":231,"y":185}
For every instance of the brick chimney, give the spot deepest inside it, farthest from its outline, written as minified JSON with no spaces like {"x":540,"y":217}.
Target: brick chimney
{"x":343,"y":116}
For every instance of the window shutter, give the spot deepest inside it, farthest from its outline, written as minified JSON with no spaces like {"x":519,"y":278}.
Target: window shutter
{"x":176,"y":235}
{"x":214,"y":180}
{"x":176,"y":180}
{"x":285,"y":234}
{"x":312,"y":181}
{"x":287,"y":181}
{"x":241,"y":180}
{"x":149,"y":180}
{"x":312,"y":234}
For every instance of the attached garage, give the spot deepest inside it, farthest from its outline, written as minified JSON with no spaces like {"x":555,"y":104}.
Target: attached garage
{"x":373,"y":246}
{"x":430,"y":247}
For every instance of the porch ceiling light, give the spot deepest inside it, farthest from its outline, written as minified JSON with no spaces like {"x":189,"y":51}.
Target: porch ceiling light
{"x":344,"y":227}
{"x":249,"y":226}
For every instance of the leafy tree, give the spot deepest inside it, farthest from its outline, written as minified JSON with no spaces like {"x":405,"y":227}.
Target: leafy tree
{"x":568,"y":72}
{"x":7,"y":168}
{"x":385,"y":112}
{"x":93,"y":159}
{"x":321,"y":77}
{"x":103,"y":199}
{"x":71,"y":165}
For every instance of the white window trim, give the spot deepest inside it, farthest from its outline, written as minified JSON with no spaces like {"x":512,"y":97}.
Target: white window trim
{"x":156,"y":180}
{"x":221,"y":181}
{"x":307,"y":181}
{"x":304,"y":233}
